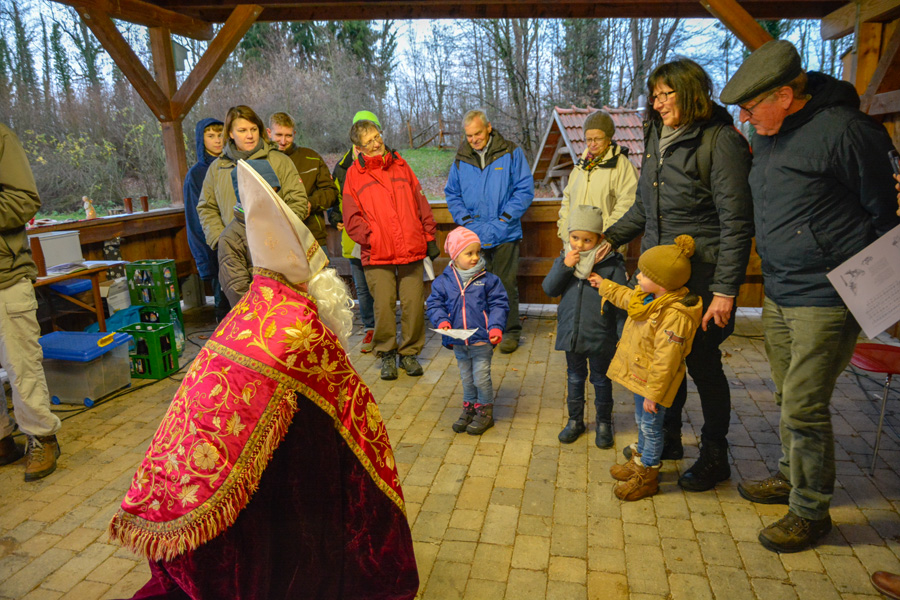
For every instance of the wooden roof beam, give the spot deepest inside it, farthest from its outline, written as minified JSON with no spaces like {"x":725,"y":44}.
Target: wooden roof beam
{"x":842,"y":22}
{"x":887,"y":72}
{"x":241,"y":19}
{"x":145,"y":13}
{"x":102,"y":26}
{"x":738,"y":21}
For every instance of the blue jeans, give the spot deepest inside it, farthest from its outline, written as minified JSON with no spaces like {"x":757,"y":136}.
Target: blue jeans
{"x":366,"y":303}
{"x":650,"y":432}
{"x":808,"y":347}
{"x":475,"y":371}
{"x":577,"y":373}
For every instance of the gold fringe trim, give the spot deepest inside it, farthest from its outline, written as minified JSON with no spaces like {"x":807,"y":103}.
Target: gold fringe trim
{"x":139,"y":535}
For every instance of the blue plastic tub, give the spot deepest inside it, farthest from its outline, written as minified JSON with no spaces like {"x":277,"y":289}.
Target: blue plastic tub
{"x":82,"y":367}
{"x":70,"y":287}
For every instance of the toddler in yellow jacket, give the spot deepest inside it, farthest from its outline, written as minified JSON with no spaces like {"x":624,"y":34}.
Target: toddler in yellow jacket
{"x":663,"y":316}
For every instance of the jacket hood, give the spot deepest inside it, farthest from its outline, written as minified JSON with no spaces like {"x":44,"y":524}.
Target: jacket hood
{"x":498,"y":146}
{"x":202,"y":155}
{"x":826,"y":92}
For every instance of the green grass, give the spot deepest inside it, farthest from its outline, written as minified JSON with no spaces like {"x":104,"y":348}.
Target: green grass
{"x":429,"y":162}
{"x":102,"y":210}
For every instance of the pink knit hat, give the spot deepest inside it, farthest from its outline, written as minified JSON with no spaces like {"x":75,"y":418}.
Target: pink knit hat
{"x":458,"y":240}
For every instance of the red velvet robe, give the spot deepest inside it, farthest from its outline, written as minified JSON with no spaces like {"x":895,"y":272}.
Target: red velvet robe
{"x":271,"y":475}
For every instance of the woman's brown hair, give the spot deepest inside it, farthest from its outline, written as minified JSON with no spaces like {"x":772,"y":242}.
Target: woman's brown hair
{"x":693,"y":90}
{"x":242,"y":111}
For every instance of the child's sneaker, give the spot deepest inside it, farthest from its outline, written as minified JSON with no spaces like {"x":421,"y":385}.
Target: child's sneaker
{"x":465,"y":417}
{"x":643,"y":484}
{"x":626,"y":471}
{"x":483,"y":419}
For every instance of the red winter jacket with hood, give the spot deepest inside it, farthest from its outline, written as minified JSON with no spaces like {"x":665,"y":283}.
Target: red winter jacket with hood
{"x":385,"y":211}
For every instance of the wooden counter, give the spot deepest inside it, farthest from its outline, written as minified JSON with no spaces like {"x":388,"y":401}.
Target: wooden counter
{"x":158,"y":233}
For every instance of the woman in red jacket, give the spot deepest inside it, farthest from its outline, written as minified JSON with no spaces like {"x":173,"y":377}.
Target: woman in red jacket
{"x":386,"y":213}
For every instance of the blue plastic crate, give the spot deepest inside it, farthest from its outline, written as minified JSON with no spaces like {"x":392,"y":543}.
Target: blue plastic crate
{"x":82,"y":367}
{"x":70,"y":287}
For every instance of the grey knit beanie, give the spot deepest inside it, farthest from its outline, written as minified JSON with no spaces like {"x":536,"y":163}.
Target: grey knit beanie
{"x":586,"y":218}
{"x":602,"y":121}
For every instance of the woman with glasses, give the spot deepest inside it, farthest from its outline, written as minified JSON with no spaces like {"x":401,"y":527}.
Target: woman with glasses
{"x":603,"y":177}
{"x":245,"y":139}
{"x":694,"y":181}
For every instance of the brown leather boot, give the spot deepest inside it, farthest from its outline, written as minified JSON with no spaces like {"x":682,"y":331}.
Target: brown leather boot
{"x":40,"y":457}
{"x":887,"y":583}
{"x":10,"y":451}
{"x":626,"y":471}
{"x":644,"y":483}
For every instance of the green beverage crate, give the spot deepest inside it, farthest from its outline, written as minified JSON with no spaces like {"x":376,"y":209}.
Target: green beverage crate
{"x":152,"y":282}
{"x":166,"y":314}
{"x":152,"y":350}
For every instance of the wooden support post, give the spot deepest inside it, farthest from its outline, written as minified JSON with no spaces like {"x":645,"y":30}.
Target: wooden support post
{"x":887,"y":72}
{"x":149,"y":14}
{"x":172,"y":132}
{"x":738,"y":21}
{"x":868,"y":50}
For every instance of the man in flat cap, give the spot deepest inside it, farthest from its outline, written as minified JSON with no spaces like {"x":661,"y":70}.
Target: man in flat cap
{"x":822,"y":191}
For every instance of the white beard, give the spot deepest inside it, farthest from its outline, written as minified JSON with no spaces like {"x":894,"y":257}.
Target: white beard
{"x":334,"y":303}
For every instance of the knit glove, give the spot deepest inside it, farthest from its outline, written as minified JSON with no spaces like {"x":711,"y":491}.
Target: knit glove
{"x":445,"y":325}
{"x":495,"y":333}
{"x":432,"y":250}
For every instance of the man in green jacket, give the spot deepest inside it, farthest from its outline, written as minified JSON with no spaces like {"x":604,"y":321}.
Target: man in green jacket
{"x":20,"y":352}
{"x":320,"y":188}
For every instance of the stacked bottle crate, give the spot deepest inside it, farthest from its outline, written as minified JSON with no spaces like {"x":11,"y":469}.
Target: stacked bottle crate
{"x":159,"y":338}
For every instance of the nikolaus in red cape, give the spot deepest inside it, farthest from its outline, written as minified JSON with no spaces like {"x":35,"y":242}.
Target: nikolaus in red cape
{"x":271,"y":475}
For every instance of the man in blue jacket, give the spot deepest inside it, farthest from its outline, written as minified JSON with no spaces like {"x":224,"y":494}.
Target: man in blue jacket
{"x":489,"y":189}
{"x":208,"y":136}
{"x":822,"y":191}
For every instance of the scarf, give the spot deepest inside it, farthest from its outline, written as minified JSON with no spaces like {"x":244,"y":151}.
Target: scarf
{"x":232,"y":152}
{"x":589,"y":162}
{"x":667,"y":137}
{"x":231,"y":412}
{"x":587,"y":260}
{"x":640,"y":310}
{"x":466,"y":274}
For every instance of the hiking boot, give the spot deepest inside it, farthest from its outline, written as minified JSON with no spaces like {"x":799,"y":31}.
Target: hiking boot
{"x":573,"y":429}
{"x":368,"y":343}
{"x":794,"y":534}
{"x":672,"y":447}
{"x":483,"y":419}
{"x":629,"y":450}
{"x":711,"y":468}
{"x":40,"y":457}
{"x":887,"y":583}
{"x":626,"y":471}
{"x":604,"y":435}
{"x":10,"y":451}
{"x":642,"y":484}
{"x":389,"y":365}
{"x":465,"y":417}
{"x":509,"y":344}
{"x":771,"y":490}
{"x":411,"y":365}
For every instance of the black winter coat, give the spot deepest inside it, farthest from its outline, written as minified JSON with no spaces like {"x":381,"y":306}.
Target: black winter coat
{"x":582,"y":326}
{"x":673,"y":200}
{"x":822,"y":191}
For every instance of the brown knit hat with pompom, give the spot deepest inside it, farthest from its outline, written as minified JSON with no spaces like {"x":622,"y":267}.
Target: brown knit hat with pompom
{"x":669,"y":266}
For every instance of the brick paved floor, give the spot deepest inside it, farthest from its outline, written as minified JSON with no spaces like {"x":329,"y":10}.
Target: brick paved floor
{"x":512,"y":514}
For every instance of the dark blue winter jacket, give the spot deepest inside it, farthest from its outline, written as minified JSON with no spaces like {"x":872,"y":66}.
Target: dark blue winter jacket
{"x":481,"y":303}
{"x":204,"y":256}
{"x":492,"y":200}
{"x":822,"y":191}
{"x":581,"y":325}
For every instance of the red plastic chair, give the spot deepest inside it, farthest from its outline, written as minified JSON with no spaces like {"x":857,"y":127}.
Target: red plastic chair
{"x":878,"y":358}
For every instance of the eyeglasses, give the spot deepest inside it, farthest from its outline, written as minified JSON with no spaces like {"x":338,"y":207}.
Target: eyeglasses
{"x":662,"y":97}
{"x":749,"y":109}
{"x":373,"y":142}
{"x":598,"y":140}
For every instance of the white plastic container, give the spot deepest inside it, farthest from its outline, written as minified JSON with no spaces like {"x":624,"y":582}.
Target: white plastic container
{"x":60,"y":247}
{"x":81,"y":367}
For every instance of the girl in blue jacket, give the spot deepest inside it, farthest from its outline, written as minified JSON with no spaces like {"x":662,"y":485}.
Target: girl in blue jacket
{"x":587,"y":327}
{"x":466,"y":296}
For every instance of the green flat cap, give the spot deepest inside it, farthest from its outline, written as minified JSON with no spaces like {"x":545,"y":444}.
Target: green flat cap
{"x":771,"y":66}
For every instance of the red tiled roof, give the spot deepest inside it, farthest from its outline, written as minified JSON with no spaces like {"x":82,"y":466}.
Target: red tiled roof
{"x":628,"y":122}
